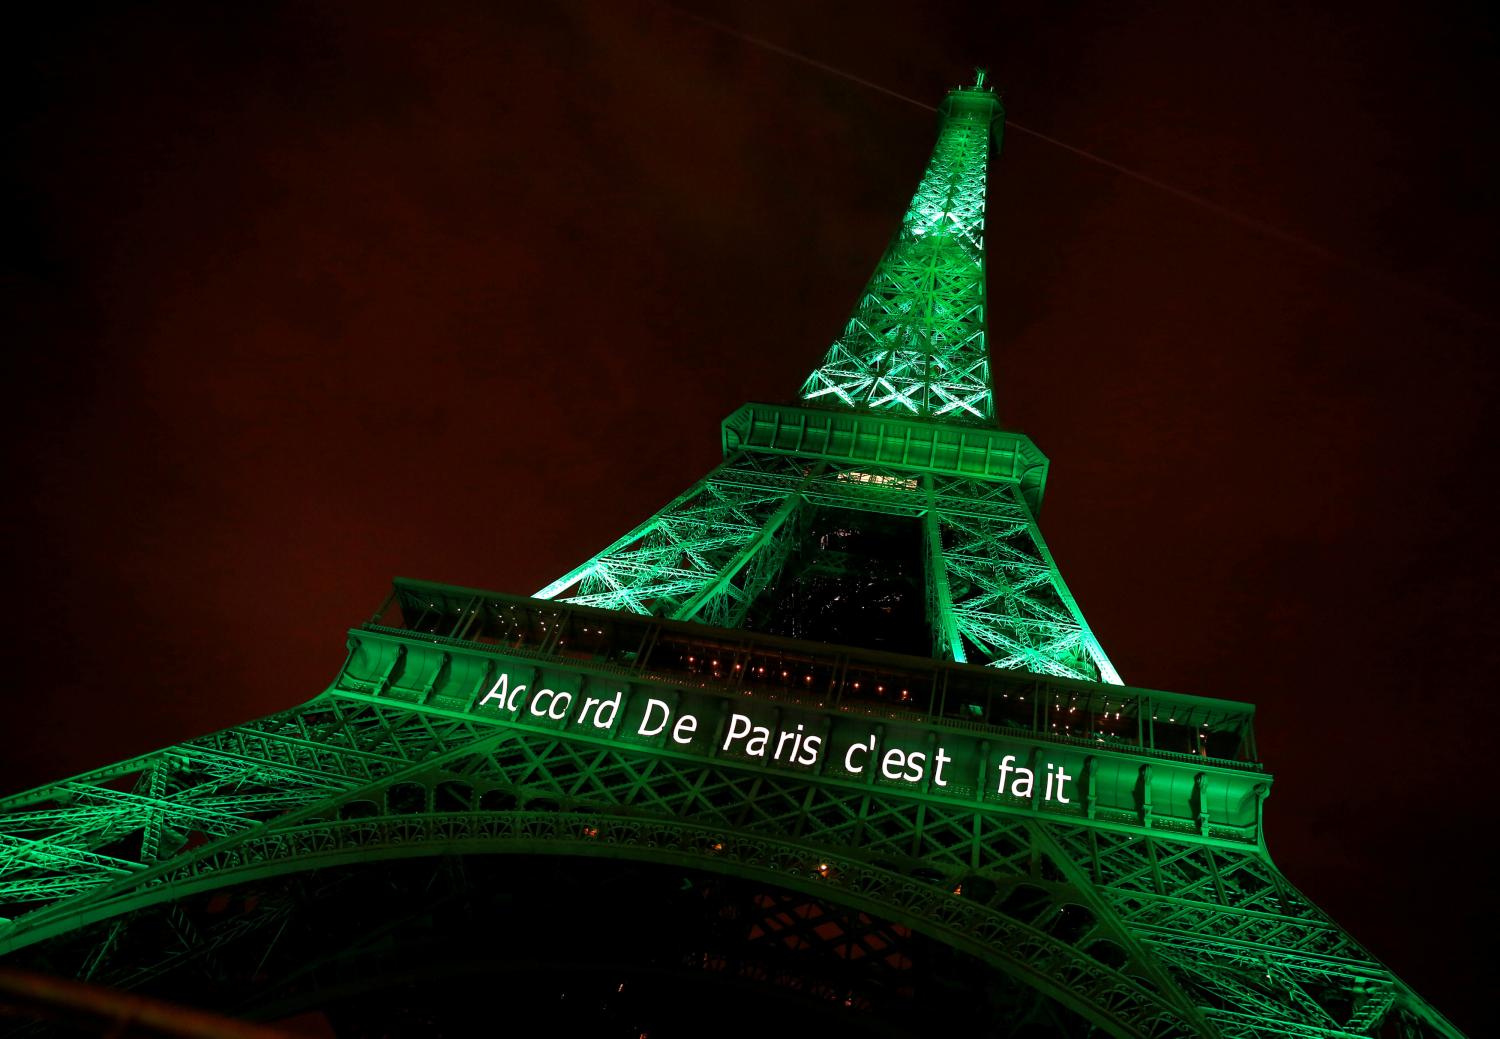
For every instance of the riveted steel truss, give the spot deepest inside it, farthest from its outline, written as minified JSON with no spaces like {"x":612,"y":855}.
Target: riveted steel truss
{"x":995,"y":595}
{"x":1133,"y":921}
{"x":706,"y":555}
{"x":1142,"y":933}
{"x":915,"y":344}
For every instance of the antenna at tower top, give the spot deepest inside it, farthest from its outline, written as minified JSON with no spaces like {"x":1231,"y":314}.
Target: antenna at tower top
{"x":979,"y":75}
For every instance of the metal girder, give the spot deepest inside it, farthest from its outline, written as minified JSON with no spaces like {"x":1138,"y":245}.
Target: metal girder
{"x":1011,"y":606}
{"x":727,"y":596}
{"x":999,"y":599}
{"x":696,"y":549}
{"x":1143,"y":935}
{"x":211,"y":788}
{"x":915,"y":344}
{"x":855,"y":850}
{"x":1147,"y":919}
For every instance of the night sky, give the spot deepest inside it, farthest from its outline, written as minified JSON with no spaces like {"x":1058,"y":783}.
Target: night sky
{"x":306,"y":297}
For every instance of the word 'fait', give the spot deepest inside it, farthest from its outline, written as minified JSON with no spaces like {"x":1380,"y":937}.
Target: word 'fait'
{"x":792,"y":745}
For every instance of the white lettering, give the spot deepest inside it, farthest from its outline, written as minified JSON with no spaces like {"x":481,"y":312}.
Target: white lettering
{"x":604,"y":717}
{"x":541,"y":696}
{"x":785,"y":737}
{"x":735,"y":731}
{"x":501,"y":691}
{"x":683,"y":731}
{"x":1023,"y":777}
{"x":557,"y":707}
{"x":892,"y":763}
{"x":666,"y":715}
{"x":1005,"y":769}
{"x":741,"y":726}
{"x":937,"y":767}
{"x":1062,"y":777}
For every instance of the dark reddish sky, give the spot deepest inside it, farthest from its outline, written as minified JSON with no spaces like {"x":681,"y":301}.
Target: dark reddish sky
{"x":310,"y":297}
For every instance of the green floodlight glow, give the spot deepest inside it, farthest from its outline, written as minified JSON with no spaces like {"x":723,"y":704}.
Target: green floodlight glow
{"x":1099,"y":844}
{"x":915,"y":344}
{"x":913,"y":366}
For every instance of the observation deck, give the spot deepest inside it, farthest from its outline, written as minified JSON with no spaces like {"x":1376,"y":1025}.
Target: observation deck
{"x":1142,"y":758}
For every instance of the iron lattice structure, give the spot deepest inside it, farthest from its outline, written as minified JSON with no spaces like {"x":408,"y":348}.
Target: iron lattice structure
{"x":915,"y":342}
{"x":615,"y":716}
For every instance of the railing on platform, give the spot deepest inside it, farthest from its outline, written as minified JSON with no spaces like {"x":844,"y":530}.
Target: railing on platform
{"x":981,"y":699}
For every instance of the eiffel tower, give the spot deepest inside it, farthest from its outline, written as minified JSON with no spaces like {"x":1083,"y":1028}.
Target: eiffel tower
{"x":826,"y":743}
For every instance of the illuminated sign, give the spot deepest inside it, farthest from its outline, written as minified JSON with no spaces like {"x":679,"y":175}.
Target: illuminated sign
{"x":851,"y":743}
{"x":755,"y":730}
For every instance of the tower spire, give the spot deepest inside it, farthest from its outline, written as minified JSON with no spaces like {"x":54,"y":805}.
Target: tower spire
{"x":915,"y":344}
{"x":833,"y":703}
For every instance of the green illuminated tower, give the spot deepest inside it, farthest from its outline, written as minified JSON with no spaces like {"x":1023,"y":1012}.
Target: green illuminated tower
{"x":825,"y":744}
